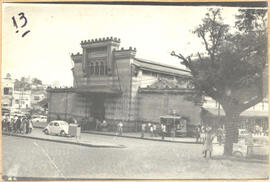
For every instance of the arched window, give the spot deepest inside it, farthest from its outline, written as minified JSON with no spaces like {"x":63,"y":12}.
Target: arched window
{"x":92,"y":69}
{"x":101,"y":68}
{"x":97,"y":69}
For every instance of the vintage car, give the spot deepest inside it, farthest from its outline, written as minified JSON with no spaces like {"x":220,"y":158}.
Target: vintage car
{"x":40,"y":119}
{"x":57,"y":127}
{"x":252,"y":146}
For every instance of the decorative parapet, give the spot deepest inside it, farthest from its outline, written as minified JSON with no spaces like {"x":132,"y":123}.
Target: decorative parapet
{"x":100,"y":42}
{"x":77,"y":58}
{"x":125,"y":53}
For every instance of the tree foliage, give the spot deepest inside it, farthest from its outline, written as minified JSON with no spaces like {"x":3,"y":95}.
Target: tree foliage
{"x":230,"y":69}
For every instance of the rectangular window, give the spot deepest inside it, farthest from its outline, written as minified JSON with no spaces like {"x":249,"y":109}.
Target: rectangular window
{"x":17,"y":101}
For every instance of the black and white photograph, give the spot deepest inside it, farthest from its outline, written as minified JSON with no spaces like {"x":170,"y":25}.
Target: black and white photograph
{"x":130,"y":91}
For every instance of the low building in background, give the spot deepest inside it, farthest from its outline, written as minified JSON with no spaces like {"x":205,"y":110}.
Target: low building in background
{"x":257,"y":115}
{"x":22,"y":99}
{"x":7,"y":101}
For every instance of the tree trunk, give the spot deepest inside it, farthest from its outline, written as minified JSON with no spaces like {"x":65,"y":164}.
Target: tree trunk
{"x":231,"y":132}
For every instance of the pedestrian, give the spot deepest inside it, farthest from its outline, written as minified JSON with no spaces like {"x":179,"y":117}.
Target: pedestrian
{"x":155,"y":130}
{"x":120,"y":128}
{"x":12,"y":126}
{"x":151,"y":130}
{"x":219,"y":135}
{"x":26,"y":125}
{"x":23,"y":125}
{"x":202,"y":134}
{"x":97,"y":124}
{"x":18,"y":125}
{"x":163,"y":131}
{"x":197,"y":134}
{"x":143,"y":130}
{"x":4,"y":123}
{"x":208,"y":143}
{"x":30,"y":126}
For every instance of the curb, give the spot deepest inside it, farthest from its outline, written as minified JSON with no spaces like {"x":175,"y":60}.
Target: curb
{"x":134,"y":137}
{"x":62,"y":141}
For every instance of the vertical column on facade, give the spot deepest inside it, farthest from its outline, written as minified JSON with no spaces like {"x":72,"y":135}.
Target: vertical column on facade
{"x":84,"y":55}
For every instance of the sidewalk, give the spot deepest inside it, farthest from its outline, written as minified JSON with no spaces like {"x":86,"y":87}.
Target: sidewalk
{"x":136,"y":135}
{"x":82,"y":141}
{"x":147,"y":136}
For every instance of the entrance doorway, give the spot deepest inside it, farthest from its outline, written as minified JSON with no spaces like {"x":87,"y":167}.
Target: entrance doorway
{"x":98,"y":109}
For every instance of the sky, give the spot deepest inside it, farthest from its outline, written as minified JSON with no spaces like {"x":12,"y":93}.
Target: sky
{"x":56,"y":31}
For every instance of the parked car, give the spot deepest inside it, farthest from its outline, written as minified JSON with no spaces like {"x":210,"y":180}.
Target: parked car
{"x":253,"y":146}
{"x":57,"y":127}
{"x":40,"y":119}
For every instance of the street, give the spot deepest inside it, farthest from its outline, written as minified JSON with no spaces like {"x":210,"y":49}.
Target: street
{"x":140,"y":159}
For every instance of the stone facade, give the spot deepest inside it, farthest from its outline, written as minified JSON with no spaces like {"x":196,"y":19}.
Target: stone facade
{"x":111,"y":83}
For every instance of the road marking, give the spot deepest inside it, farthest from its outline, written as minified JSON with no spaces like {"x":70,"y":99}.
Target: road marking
{"x":50,"y":159}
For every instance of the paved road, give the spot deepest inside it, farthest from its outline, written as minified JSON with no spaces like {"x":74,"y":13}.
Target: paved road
{"x":141,"y":159}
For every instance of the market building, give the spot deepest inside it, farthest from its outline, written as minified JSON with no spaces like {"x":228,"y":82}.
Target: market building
{"x":111,"y":83}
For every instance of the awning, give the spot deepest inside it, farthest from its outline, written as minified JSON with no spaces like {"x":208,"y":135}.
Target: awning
{"x":247,"y":113}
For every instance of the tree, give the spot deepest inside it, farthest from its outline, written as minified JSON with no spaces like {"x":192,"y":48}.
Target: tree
{"x":36,"y":81}
{"x":230,"y":70}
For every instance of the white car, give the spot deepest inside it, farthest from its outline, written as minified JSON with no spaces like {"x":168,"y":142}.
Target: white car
{"x":40,"y":119}
{"x":255,"y":146}
{"x":57,"y":127}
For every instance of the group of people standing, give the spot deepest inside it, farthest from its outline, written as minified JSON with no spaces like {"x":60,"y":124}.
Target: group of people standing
{"x":153,"y":130}
{"x":17,"y":124}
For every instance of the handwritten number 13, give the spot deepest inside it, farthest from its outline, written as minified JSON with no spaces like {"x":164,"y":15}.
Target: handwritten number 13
{"x":22,"y":18}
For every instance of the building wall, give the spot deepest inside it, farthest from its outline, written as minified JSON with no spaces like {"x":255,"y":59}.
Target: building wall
{"x":117,"y":107}
{"x":66,"y":105}
{"x":22,"y":99}
{"x":154,"y":105}
{"x":7,"y":97}
{"x":37,"y":97}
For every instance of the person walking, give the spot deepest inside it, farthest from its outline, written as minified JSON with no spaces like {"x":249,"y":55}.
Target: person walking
{"x":4,"y":123}
{"x":26,"y":125}
{"x":155,"y":130}
{"x":208,"y":143}
{"x":143,"y":130}
{"x":219,"y":135}
{"x":151,"y":131}
{"x":197,"y":134}
{"x":120,"y":128}
{"x":18,"y":125}
{"x":23,"y":125}
{"x":163,"y":131}
{"x":30,"y":126}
